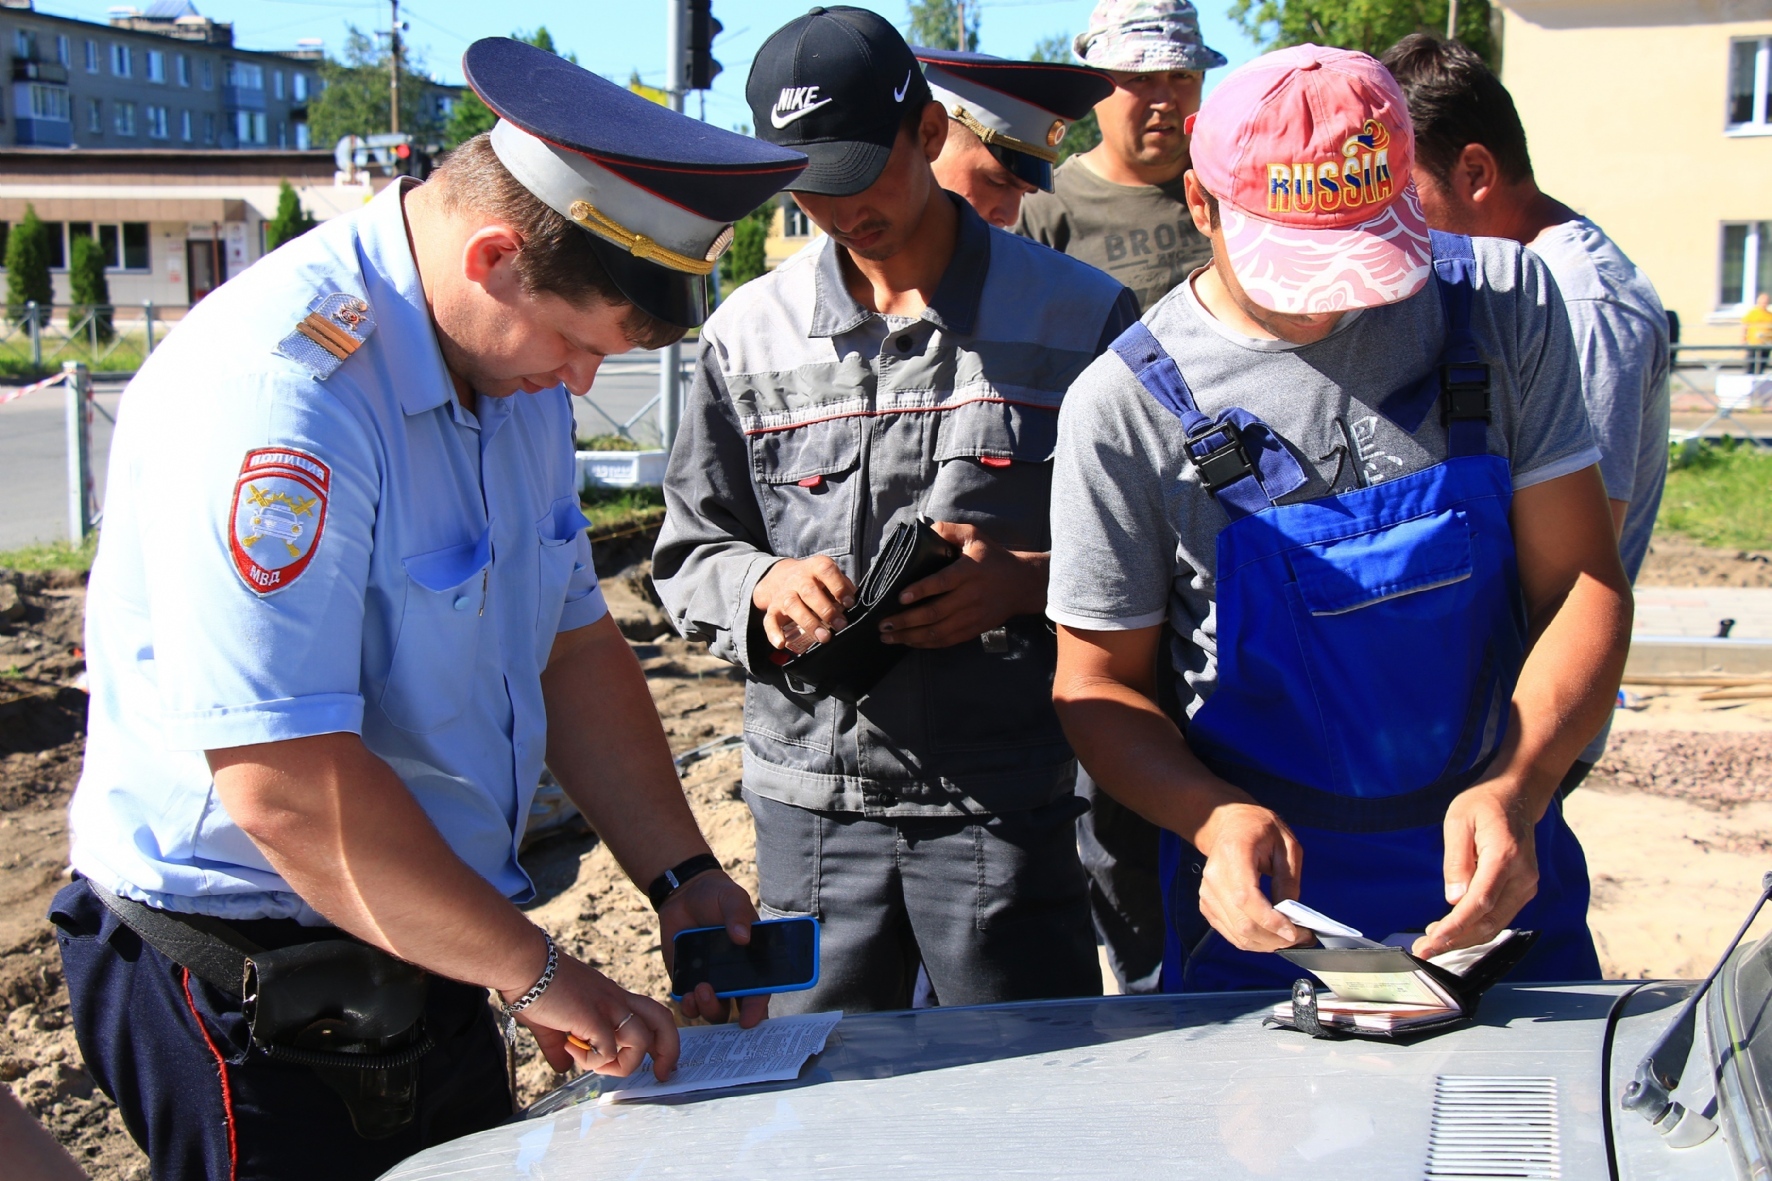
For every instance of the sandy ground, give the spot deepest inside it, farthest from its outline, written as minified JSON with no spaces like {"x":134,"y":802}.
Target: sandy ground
{"x":1677,"y":822}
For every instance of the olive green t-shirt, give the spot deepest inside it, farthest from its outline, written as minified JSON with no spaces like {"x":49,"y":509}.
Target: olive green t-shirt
{"x":1142,"y":235}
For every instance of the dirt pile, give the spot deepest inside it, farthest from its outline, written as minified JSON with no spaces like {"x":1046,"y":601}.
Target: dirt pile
{"x":1675,"y":561}
{"x":1713,"y":770}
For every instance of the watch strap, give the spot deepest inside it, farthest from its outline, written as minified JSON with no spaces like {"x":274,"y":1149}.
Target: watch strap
{"x":672,"y":879}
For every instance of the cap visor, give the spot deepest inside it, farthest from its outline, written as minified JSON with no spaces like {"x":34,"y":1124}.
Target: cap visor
{"x":841,"y":168}
{"x":1304,"y":272}
{"x":676,"y":298}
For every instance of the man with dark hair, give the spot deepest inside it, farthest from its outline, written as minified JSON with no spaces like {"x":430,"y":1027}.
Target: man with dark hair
{"x":1475,"y":177}
{"x":907,"y":365}
{"x":343,"y":611}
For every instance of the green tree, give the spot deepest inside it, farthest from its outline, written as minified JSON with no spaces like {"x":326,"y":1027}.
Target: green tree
{"x":88,"y":290}
{"x":935,"y":24}
{"x":292,"y":221}
{"x":1369,"y":25}
{"x":1085,"y":133}
{"x":27,"y":266}
{"x":471,"y":116}
{"x":744,"y":261}
{"x":354,"y":95}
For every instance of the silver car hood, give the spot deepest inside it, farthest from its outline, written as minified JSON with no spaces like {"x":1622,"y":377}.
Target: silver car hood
{"x":1136,"y":1087}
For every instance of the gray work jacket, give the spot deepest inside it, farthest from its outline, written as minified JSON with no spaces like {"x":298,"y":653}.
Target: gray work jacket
{"x":816,"y":426}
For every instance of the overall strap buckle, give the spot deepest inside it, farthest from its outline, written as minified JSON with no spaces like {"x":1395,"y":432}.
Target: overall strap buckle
{"x":1464,"y":392}
{"x":1222,"y":463}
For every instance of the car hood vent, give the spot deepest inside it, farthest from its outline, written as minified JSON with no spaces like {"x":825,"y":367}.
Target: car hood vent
{"x":1490,"y":1127}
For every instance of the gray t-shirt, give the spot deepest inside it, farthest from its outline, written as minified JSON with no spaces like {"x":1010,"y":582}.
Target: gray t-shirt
{"x":1134,"y":534}
{"x":1142,"y":235}
{"x":1620,"y":331}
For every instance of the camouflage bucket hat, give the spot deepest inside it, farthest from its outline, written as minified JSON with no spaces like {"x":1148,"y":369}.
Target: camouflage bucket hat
{"x":1144,"y":36}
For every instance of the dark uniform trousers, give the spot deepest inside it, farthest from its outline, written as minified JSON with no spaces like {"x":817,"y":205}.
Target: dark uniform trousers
{"x":175,"y":1053}
{"x":1119,"y":851}
{"x":995,"y":908}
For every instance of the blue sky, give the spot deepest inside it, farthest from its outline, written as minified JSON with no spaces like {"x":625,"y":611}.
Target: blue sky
{"x":616,"y":37}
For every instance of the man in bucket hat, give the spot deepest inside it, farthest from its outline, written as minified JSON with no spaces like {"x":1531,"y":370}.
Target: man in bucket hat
{"x":1120,"y":205}
{"x":1335,"y":573}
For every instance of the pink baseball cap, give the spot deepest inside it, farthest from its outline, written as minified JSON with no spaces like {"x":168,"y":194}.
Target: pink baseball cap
{"x":1310,"y":154}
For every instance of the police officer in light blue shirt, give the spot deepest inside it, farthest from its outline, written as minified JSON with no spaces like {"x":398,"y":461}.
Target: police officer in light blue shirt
{"x":343,"y":611}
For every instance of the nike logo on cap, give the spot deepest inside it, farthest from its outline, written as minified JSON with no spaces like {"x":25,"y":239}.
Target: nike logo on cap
{"x":898,"y":95}
{"x":796,"y":102}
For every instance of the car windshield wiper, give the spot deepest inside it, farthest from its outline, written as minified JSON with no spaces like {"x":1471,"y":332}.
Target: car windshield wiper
{"x":1650,"y":1092}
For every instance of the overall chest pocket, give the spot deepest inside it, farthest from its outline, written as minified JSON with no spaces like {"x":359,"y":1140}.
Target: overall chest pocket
{"x":559,"y":561}
{"x":431,"y":673}
{"x":806,"y":485}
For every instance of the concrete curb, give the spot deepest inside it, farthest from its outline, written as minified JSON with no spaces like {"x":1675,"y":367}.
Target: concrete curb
{"x":1663,"y":655}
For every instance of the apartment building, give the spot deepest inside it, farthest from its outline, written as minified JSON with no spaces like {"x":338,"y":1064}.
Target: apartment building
{"x":1654,"y":118}
{"x":161,"y":77}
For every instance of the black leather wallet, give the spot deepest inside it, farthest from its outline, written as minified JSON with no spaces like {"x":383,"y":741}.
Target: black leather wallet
{"x":854,"y":660}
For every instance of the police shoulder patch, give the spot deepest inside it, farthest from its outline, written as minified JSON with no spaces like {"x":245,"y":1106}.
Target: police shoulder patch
{"x":335,"y":327}
{"x":278,"y":515}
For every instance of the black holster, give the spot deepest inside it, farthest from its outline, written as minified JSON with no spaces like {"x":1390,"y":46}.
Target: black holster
{"x":350,"y":1012}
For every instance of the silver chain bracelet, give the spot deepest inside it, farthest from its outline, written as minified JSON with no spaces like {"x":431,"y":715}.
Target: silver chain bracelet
{"x":540,"y":986}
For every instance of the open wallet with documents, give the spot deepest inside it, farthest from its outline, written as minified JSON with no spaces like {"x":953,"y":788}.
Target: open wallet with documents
{"x":1380,"y":990}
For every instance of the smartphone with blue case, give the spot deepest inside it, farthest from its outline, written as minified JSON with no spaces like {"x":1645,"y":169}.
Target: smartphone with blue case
{"x":782,"y":956}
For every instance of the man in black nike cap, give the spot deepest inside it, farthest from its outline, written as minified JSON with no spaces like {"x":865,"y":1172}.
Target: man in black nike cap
{"x":909,"y":363}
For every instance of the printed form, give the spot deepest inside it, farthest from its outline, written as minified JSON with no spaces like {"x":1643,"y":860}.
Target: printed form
{"x":726,"y":1056}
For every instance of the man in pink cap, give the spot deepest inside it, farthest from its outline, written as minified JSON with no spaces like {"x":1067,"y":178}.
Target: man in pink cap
{"x":1332,"y":563}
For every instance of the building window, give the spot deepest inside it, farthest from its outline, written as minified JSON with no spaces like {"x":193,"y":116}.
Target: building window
{"x":64,"y":50}
{"x":24,"y":44}
{"x":124,"y":246}
{"x":298,"y":86}
{"x":795,"y":223}
{"x":156,"y":66}
{"x":282,"y":134}
{"x":1750,"y":86}
{"x":249,"y":127}
{"x":301,"y":137}
{"x":1747,"y":263}
{"x":95,"y":121}
{"x":50,"y":102}
{"x":56,"y":233}
{"x":122,"y":63}
{"x":123,"y":117}
{"x":92,"y":57}
{"x":277,"y":84}
{"x":246,"y":76}
{"x":208,"y":75}
{"x":181,"y":69}
{"x":155,"y":118}
{"x":209,"y":127}
{"x":184,"y":126}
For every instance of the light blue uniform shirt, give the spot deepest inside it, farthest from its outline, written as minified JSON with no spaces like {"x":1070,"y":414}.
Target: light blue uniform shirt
{"x":288,"y":554}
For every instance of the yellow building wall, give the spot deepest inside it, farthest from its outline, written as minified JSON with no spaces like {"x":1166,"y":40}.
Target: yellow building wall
{"x":1624,"y":107}
{"x":777,"y":246}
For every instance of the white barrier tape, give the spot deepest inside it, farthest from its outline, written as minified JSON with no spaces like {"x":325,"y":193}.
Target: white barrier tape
{"x":11,"y":395}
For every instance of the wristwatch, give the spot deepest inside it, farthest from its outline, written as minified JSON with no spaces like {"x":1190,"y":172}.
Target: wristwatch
{"x":672,"y":879}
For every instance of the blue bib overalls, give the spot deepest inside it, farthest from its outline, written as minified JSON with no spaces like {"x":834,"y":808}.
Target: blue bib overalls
{"x":1368,"y":645}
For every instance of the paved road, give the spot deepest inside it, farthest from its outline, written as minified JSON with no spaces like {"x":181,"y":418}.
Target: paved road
{"x":33,"y":446}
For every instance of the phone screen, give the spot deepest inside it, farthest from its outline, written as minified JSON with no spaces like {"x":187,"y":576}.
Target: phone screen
{"x":782,"y":956}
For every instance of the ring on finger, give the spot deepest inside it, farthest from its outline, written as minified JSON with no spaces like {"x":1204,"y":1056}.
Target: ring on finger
{"x":624,"y":1021}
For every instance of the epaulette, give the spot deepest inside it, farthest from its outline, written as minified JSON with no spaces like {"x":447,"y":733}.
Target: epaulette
{"x":335,"y":327}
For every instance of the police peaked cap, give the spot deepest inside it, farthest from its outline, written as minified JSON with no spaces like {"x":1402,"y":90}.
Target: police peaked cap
{"x":1020,"y":109}
{"x":656,"y":190}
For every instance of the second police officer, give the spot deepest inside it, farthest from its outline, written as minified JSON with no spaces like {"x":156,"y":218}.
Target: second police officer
{"x":909,"y":363}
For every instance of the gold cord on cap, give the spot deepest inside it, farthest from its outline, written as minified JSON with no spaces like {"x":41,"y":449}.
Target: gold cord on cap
{"x":992,"y":136}
{"x":640,"y":246}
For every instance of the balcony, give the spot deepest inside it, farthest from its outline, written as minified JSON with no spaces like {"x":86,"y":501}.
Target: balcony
{"x":242,"y":98}
{"x":26,"y":70}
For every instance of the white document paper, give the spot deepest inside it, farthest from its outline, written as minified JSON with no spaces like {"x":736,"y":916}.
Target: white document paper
{"x":726,"y":1056}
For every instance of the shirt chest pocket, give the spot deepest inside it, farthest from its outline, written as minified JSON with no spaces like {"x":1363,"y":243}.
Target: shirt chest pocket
{"x":994,"y":470}
{"x":431,"y":673}
{"x":559,"y":564}
{"x":806,"y":485}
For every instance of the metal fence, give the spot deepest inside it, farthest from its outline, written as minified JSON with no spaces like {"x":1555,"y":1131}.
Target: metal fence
{"x":39,"y":338}
{"x":1727,"y":378}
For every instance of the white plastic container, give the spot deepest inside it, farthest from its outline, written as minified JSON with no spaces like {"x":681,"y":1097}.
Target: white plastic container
{"x":620,"y":469}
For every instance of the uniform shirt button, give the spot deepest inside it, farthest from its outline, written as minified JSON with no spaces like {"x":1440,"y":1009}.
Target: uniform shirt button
{"x":461,"y":602}
{"x":904,"y":343}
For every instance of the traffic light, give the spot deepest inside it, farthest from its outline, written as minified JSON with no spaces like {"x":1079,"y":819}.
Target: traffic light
{"x":703,"y":28}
